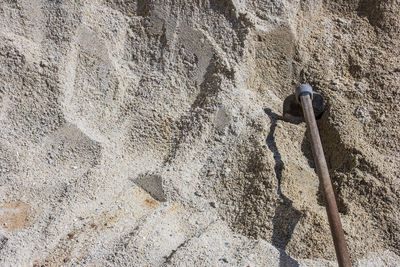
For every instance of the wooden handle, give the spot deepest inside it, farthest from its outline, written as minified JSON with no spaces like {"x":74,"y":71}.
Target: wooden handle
{"x":322,"y":169}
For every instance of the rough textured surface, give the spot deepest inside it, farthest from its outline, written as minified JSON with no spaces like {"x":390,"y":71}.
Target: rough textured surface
{"x":151,"y":132}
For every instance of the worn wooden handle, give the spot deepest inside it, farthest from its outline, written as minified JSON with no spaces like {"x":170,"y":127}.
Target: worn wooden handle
{"x":322,"y":169}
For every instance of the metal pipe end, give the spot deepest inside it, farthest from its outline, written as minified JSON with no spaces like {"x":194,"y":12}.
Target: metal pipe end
{"x":303,"y":89}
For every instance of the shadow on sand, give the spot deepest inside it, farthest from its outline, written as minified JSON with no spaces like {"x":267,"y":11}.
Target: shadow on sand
{"x":286,"y":216}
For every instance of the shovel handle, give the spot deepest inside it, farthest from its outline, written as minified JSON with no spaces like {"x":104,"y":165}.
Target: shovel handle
{"x":342,"y":254}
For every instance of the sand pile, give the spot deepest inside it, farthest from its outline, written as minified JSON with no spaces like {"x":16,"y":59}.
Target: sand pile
{"x":138,"y":133}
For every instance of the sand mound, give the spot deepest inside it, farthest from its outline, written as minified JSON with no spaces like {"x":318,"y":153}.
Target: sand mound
{"x":138,"y":133}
